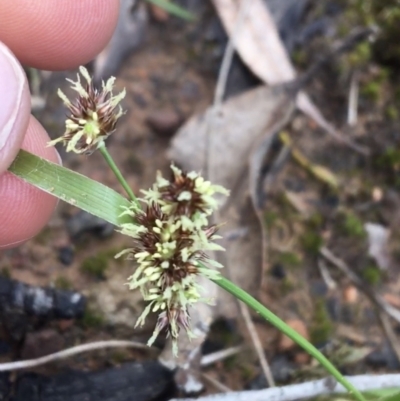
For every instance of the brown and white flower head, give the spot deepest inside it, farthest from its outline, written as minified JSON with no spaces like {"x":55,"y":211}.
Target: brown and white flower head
{"x":170,"y":239}
{"x":93,"y":115}
{"x":188,"y":195}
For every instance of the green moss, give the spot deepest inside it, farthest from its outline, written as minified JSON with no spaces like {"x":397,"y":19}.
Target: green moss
{"x":290,"y":259}
{"x":372,"y":274}
{"x":360,"y":55}
{"x":96,"y":266}
{"x":390,"y":158}
{"x":270,"y":218}
{"x":353,"y":226}
{"x":299,"y":57}
{"x":321,"y":327}
{"x":384,"y":14}
{"x":392,"y":112}
{"x":286,"y":286}
{"x":5,"y":272}
{"x":62,"y":283}
{"x":312,"y":241}
{"x":92,"y":319}
{"x":316,"y":221}
{"x":230,"y":363}
{"x":372,"y":90}
{"x":246,"y":371}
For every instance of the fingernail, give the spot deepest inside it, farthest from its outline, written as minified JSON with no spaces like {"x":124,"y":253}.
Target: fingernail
{"x":12,"y":87}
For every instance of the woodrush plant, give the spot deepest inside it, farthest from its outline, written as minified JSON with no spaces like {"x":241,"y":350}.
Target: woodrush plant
{"x":169,"y":226}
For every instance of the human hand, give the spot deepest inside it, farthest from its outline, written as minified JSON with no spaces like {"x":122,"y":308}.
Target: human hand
{"x":50,"y":35}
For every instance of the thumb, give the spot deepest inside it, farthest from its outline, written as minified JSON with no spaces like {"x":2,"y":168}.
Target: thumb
{"x":14,"y":107}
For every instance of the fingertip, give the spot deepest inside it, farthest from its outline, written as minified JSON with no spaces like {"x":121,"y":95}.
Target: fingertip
{"x":14,"y":106}
{"x":25,"y":209}
{"x":57,"y":35}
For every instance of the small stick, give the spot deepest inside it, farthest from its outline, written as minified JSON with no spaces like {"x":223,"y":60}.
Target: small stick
{"x":257,"y":344}
{"x":32,"y":363}
{"x":374,"y":298}
{"x":306,"y":390}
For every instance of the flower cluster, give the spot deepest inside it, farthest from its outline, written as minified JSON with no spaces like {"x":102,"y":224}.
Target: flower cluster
{"x":171,"y":236}
{"x":93,"y":115}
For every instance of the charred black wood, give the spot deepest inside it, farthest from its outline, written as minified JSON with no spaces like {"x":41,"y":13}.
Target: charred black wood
{"x":146,"y":381}
{"x":43,"y":302}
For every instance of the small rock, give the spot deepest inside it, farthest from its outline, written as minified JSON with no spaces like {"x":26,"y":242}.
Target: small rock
{"x":82,"y":222}
{"x":350,"y":294}
{"x":41,"y":343}
{"x":66,"y":255}
{"x":302,"y":358}
{"x":377,"y":194}
{"x":318,"y":288}
{"x":164,"y":122}
{"x":285,"y":343}
{"x":282,"y":369}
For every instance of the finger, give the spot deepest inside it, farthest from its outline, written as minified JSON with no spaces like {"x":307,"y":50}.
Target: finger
{"x":25,"y":209}
{"x":14,"y":107}
{"x":57,"y":35}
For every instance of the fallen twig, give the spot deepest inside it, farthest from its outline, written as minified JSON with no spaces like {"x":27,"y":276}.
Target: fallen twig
{"x":302,"y":391}
{"x":390,"y":334}
{"x":66,"y":353}
{"x":209,"y":359}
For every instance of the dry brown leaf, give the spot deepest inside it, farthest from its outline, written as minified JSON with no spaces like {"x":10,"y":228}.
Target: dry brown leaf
{"x":258,"y":41}
{"x":237,"y":138}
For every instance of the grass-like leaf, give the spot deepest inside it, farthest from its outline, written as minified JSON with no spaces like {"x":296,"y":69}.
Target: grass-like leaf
{"x":173,"y":9}
{"x":384,"y":395}
{"x":71,"y":187}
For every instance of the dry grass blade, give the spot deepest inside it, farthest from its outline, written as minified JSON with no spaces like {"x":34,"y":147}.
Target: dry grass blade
{"x":257,"y":345}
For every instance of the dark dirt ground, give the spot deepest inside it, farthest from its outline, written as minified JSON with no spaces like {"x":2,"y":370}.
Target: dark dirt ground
{"x":171,"y":77}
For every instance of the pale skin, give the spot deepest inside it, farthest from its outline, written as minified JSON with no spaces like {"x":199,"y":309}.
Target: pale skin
{"x":50,"y":35}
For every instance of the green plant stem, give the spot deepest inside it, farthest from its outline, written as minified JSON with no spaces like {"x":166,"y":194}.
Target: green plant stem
{"x":117,"y":172}
{"x":173,"y":8}
{"x":285,"y":329}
